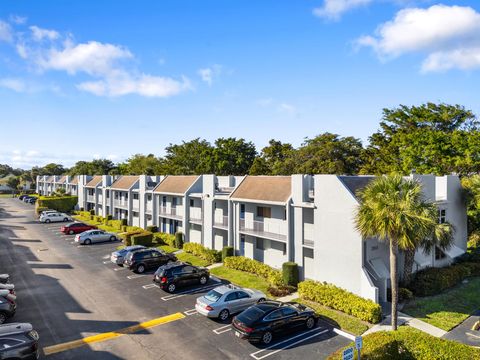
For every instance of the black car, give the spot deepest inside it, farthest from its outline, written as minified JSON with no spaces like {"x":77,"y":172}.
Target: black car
{"x":18,"y":341}
{"x":261,"y":322}
{"x":21,"y":197}
{"x":180,"y":274}
{"x":30,"y":200}
{"x":145,"y":259}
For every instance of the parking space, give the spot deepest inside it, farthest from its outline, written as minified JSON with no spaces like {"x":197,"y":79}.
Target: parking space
{"x":109,"y":297}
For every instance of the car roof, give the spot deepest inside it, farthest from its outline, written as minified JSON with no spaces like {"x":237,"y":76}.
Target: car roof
{"x":133,"y":247}
{"x":223,"y":289}
{"x":15,"y":328}
{"x":175,"y":264}
{"x":77,"y":222}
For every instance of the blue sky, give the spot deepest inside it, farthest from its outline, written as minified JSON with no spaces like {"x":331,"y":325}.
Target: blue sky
{"x":115,"y":78}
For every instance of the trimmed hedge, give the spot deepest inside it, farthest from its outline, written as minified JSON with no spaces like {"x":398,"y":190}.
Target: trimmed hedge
{"x":92,"y":212}
{"x":408,"y":343}
{"x":212,"y":256}
{"x":107,"y":219}
{"x":144,"y":239}
{"x":127,"y":236}
{"x":152,"y":228}
{"x":226,"y":252}
{"x":117,"y":224}
{"x":290,"y":273}
{"x":340,"y":299}
{"x":61,"y":203}
{"x":431,"y":281}
{"x":39,"y":209}
{"x":255,"y":267}
{"x":178,"y":240}
{"x":124,"y":222}
{"x":164,"y":239}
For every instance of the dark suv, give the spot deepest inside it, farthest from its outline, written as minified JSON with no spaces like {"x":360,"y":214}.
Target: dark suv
{"x":179,"y":274}
{"x":18,"y":341}
{"x":145,"y":259}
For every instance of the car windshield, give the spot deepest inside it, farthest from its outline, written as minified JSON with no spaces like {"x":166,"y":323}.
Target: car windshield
{"x":160,"y":271}
{"x":250,"y":315}
{"x":213,"y":296}
{"x":129,"y":255}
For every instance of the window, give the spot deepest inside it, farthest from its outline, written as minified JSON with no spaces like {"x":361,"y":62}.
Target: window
{"x":164,"y":201}
{"x":285,"y":214}
{"x":188,"y":269}
{"x":288,"y":311}
{"x":149,"y":197}
{"x":242,"y":295}
{"x":277,"y":314}
{"x":7,"y":343}
{"x":264,"y":212}
{"x":439,"y":254}
{"x":232,"y":296}
{"x":259,"y":243}
{"x":442,"y":216}
{"x":135,"y":196}
{"x":279,"y":246}
{"x":149,"y":217}
{"x":135,"y":214}
{"x":242,"y":211}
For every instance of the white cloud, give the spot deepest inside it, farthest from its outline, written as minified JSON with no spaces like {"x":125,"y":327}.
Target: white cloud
{"x":19,"y":20}
{"x":449,"y":36}
{"x":334,"y":9}
{"x":39,"y":34}
{"x":13,"y":84}
{"x":210,"y":73}
{"x":6,"y":33}
{"x":287,"y":108}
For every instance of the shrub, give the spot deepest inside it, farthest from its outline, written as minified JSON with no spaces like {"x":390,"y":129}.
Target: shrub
{"x":117,"y":224}
{"x":472,"y":255}
{"x":340,"y":299}
{"x":124,"y":222}
{"x":123,"y":228}
{"x":474,"y":240}
{"x":144,"y":239}
{"x":60,"y":203}
{"x":127,"y":236}
{"x":84,"y":214}
{"x":39,"y":209}
{"x":255,"y":267}
{"x":282,"y":290}
{"x":134,"y":228}
{"x":178,"y":240}
{"x":404,"y":294}
{"x":81,"y":209}
{"x":152,"y":228}
{"x":431,"y":281}
{"x":212,"y":256}
{"x":107,"y":219}
{"x":98,"y":219}
{"x":226,"y":252}
{"x":92,"y":212}
{"x":290,"y":273}
{"x":164,"y":239}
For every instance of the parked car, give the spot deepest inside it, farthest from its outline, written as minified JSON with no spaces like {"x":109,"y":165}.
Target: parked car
{"x":7,"y":305}
{"x":18,"y":341}
{"x":226,"y":300}
{"x":48,"y":212}
{"x":94,"y":236}
{"x":54,"y":217}
{"x":31,"y":200}
{"x":261,"y":322}
{"x":21,"y":197}
{"x":27,"y":197}
{"x":76,"y":228}
{"x":179,"y":274}
{"x":149,"y":258}
{"x":118,"y":256}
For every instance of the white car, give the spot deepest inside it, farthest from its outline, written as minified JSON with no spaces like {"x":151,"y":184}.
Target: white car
{"x":54,"y":217}
{"x":90,"y":236}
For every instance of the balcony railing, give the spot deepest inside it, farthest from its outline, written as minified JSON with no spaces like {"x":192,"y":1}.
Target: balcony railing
{"x":120,"y":203}
{"x":220,"y":221}
{"x":91,"y":198}
{"x":262,"y":229}
{"x":195,"y":214}
{"x":308,"y":234}
{"x":173,"y":211}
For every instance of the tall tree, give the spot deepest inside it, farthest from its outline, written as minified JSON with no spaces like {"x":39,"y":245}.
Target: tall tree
{"x":139,"y":164}
{"x":13,"y":182}
{"x":275,"y":159}
{"x":329,"y":154}
{"x":394,"y":210}
{"x":53,"y":169}
{"x":232,"y":156}
{"x":94,"y":167}
{"x":191,"y":157}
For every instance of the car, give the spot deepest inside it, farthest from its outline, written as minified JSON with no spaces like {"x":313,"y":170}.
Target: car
{"x":31,"y":200}
{"x":18,"y":341}
{"x":48,"y":212}
{"x":8,"y":306}
{"x":150,"y":258}
{"x":226,"y":300}
{"x":261,"y":322}
{"x":76,"y":228}
{"x":93,"y":236}
{"x":180,"y":274}
{"x":26,"y":198}
{"x":21,"y":197}
{"x":54,"y":217}
{"x":118,"y":256}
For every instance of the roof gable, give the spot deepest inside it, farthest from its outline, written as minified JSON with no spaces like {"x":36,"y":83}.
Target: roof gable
{"x":264,"y":188}
{"x":125,"y":182}
{"x":176,"y":184}
{"x":356,"y":183}
{"x":97,"y":179}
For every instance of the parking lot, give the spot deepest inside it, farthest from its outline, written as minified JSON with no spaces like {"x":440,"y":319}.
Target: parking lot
{"x":83,"y":305}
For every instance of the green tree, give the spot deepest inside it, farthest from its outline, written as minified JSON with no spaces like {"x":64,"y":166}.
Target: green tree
{"x":471,"y":190}
{"x":139,"y":164}
{"x":275,"y":159}
{"x":188,"y":158}
{"x":53,"y":169}
{"x":13,"y":182}
{"x":232,"y":156}
{"x":94,"y":167}
{"x":394,"y":210}
{"x":329,"y":154}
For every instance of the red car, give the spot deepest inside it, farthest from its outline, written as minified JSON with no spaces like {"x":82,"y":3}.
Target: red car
{"x":76,"y":228}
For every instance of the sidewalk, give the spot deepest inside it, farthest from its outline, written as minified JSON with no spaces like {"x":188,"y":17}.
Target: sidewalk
{"x":463,"y":333}
{"x":404,"y":319}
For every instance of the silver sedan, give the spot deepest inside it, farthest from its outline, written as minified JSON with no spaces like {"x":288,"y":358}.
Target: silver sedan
{"x":92,"y":236}
{"x":225,"y":300}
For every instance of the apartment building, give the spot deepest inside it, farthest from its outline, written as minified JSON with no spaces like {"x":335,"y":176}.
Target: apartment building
{"x":308,"y":219}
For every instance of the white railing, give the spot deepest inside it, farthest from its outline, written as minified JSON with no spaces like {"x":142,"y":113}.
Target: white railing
{"x":149,"y":206}
{"x":136,"y":205}
{"x":121,"y":203}
{"x":91,"y":198}
{"x":195,"y":213}
{"x":170,"y":211}
{"x":220,"y":220}
{"x":261,"y":227}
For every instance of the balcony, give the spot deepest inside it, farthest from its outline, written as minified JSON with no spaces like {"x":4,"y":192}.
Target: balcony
{"x":149,"y":207}
{"x":136,"y":205}
{"x":120,"y":203}
{"x":308,"y":238}
{"x":220,"y":222}
{"x":174,"y":213}
{"x":91,"y":198}
{"x":262,"y":229}
{"x":195,"y":214}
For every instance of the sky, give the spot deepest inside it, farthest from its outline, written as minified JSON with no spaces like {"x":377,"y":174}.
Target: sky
{"x":109,"y":79}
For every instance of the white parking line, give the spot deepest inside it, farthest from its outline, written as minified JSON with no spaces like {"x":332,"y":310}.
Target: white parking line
{"x":106,"y":257}
{"x":190,"y":312}
{"x":134,"y":276}
{"x":150,"y":286}
{"x":255,"y":354}
{"x":215,"y":279}
{"x":106,"y":262}
{"x":81,"y":246}
{"x":223,"y":329}
{"x":184,"y":293}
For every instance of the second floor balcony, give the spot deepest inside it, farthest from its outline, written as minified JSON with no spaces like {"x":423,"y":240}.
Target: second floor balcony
{"x":308,"y":235}
{"x":122,"y":203}
{"x":195,"y":214}
{"x":171,"y":212}
{"x":220,"y":221}
{"x":91,"y":198}
{"x":268,"y":230}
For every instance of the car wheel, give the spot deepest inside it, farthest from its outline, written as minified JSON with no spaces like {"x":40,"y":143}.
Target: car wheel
{"x":261,"y":300}
{"x":47,"y":221}
{"x":3,"y":318}
{"x":267,"y":337}
{"x":71,"y":232}
{"x":87,"y":242}
{"x":224,"y":314}
{"x":310,"y":323}
{"x":171,"y":288}
{"x":65,"y":220}
{"x":140,"y":269}
{"x":113,"y":238}
{"x":203,"y":280}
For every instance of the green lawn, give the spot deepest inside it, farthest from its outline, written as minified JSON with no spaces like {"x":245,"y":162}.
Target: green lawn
{"x":242,"y":278}
{"x":5,"y":195}
{"x":97,"y":224}
{"x":448,"y":309}
{"x":167,"y":248}
{"x":338,"y":319}
{"x":192,"y":259}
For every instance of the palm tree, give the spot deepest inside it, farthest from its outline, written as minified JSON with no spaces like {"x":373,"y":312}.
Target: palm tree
{"x":394,"y":210}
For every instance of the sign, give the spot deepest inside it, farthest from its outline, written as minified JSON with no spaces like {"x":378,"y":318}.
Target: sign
{"x":358,"y":342}
{"x":348,"y":354}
